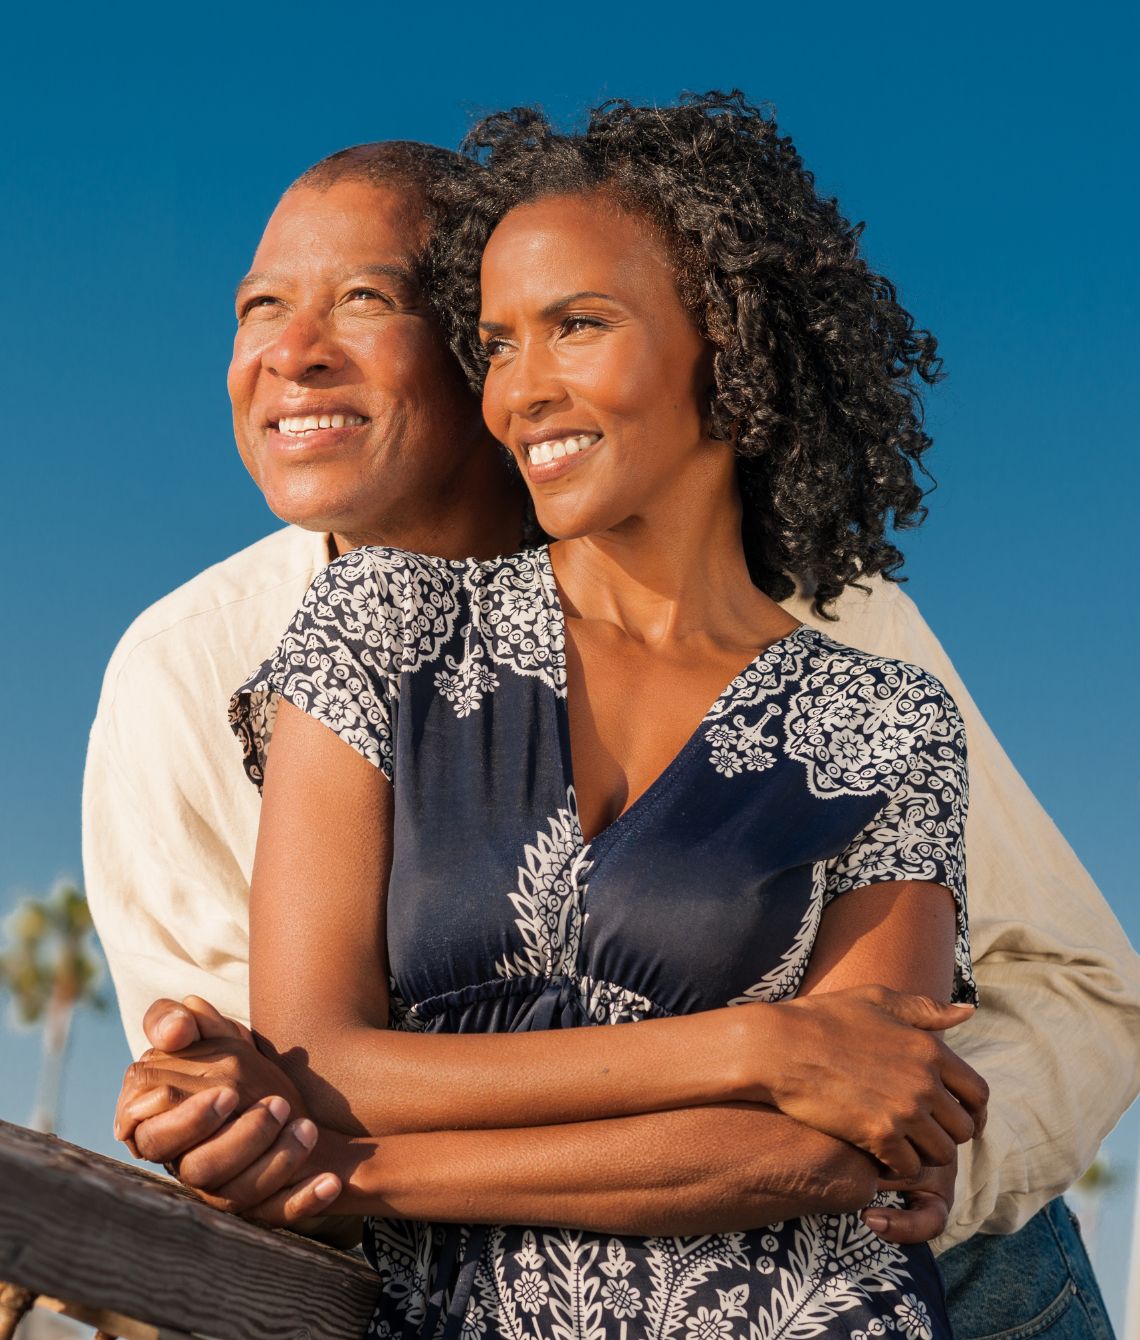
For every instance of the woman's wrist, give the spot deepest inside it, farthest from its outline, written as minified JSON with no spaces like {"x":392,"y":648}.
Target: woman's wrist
{"x":756,"y":1044}
{"x":370,"y":1171}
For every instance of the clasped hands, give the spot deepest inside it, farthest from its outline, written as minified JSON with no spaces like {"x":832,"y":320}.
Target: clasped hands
{"x":865,"y":1065}
{"x":229,"y":1123}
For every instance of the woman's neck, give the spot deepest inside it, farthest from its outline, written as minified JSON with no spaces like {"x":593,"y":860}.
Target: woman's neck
{"x":671,"y":575}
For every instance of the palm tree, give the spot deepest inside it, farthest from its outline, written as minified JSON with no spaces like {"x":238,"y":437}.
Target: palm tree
{"x":50,"y":967}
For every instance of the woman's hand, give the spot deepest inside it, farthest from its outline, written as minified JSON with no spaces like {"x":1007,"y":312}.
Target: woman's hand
{"x":864,"y":1064}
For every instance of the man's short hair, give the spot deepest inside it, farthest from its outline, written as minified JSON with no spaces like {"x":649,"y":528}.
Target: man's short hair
{"x":422,"y":168}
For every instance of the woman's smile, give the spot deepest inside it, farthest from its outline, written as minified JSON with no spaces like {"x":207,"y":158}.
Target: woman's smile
{"x":554,"y":453}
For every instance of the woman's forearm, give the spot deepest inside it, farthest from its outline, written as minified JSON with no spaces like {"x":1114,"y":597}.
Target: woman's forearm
{"x":369,"y":1081}
{"x":693,"y":1171}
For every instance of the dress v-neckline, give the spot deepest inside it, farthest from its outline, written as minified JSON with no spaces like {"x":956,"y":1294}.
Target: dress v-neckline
{"x":665,"y":777}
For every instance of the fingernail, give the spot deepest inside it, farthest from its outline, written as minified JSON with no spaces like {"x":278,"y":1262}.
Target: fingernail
{"x":225,"y":1102}
{"x":877,"y":1223}
{"x":327,"y":1188}
{"x":305,"y":1133}
{"x":278,"y":1110}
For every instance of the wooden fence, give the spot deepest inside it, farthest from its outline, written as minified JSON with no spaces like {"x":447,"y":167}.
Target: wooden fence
{"x":138,"y":1257}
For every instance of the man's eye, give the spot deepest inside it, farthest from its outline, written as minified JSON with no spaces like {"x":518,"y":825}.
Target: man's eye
{"x":258,"y":306}
{"x":368,"y":295}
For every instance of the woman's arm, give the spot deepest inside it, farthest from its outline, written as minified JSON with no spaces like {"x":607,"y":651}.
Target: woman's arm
{"x":686,"y":1171}
{"x":696,"y":1170}
{"x":318,"y":984}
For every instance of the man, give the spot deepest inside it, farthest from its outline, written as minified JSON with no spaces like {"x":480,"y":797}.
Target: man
{"x":357,"y":426}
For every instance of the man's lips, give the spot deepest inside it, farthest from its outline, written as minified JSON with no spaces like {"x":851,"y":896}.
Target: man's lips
{"x":295,"y":434}
{"x":298,"y":425}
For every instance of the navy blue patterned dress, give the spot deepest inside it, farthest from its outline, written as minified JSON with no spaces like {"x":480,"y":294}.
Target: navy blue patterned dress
{"x":819,"y":769}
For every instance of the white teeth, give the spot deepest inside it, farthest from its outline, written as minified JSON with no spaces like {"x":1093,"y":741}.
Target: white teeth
{"x":298,"y":425}
{"x":543,"y":452}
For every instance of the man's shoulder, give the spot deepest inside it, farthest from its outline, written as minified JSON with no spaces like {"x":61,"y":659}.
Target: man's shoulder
{"x":861,"y":615}
{"x":229,"y":610}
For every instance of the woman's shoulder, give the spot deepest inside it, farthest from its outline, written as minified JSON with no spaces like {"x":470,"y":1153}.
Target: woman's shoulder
{"x":831,"y":655}
{"x":415,"y":604}
{"x":385,"y":562}
{"x":374,"y":578}
{"x":885,"y":704}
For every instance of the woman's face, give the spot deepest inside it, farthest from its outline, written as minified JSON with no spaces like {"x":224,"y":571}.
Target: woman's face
{"x":597,"y":374}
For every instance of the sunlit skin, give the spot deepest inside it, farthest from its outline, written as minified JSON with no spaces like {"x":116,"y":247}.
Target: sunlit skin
{"x":331,"y":320}
{"x":586,"y":334}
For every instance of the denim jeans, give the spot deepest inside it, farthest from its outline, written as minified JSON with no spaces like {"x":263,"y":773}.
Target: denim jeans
{"x":1037,"y":1282}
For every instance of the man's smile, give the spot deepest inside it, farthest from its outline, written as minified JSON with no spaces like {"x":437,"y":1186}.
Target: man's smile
{"x":299,"y":425}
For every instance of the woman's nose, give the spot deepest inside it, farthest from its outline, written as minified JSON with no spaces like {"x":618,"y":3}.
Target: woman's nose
{"x":533,"y":382}
{"x":303,"y":350}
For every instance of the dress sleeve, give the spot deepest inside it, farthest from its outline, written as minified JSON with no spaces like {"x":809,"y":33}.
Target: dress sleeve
{"x":338,"y":662}
{"x":920,"y":831}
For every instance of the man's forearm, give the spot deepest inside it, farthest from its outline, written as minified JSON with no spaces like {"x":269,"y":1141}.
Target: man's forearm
{"x":691,"y":1171}
{"x":1049,"y":1106}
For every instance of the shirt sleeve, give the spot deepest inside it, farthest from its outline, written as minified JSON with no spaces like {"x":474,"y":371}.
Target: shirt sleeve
{"x":338,"y":662}
{"x":920,"y":831}
{"x":167,"y":839}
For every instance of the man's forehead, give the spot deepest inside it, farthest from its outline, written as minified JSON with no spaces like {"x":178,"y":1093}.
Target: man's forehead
{"x":388,"y":218}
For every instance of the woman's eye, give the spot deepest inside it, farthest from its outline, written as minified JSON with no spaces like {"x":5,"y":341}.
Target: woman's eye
{"x":493,"y":347}
{"x":571,"y":325}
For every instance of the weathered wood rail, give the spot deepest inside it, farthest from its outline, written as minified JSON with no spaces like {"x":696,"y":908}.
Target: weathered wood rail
{"x":138,"y":1257}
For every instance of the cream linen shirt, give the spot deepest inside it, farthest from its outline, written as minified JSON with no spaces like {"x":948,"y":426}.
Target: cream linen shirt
{"x":170,"y":822}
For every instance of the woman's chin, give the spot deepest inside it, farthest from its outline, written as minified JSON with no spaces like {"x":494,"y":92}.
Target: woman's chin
{"x":562,"y":523}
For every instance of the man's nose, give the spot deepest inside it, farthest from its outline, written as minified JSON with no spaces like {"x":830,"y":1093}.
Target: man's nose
{"x":533,"y":381}
{"x":303,"y":350}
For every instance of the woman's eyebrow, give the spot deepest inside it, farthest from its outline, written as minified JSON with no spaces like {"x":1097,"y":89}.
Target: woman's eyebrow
{"x":560,"y":304}
{"x":552,"y":308}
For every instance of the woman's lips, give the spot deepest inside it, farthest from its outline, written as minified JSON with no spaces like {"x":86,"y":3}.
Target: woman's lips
{"x":554,"y":457}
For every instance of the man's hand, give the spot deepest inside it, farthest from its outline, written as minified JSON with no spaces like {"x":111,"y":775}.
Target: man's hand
{"x":929,"y":1199}
{"x":177,"y":1107}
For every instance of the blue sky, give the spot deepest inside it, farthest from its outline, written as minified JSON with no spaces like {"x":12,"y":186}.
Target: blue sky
{"x":991,"y":150}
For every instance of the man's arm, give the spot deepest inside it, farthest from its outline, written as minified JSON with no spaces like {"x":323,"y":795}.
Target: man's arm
{"x":1059,"y":984}
{"x":165,"y":809}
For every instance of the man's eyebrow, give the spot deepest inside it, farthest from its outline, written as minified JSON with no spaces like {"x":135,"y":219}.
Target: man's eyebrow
{"x":252,"y":280}
{"x":403,"y":274}
{"x":553,"y":308}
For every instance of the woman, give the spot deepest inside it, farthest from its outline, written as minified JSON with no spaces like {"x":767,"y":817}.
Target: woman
{"x":610,"y":780}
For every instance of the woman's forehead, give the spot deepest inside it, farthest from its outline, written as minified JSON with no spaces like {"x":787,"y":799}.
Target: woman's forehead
{"x":585,"y":239}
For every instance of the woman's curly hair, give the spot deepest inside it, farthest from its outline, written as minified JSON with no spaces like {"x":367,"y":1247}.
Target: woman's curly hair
{"x":816,"y":365}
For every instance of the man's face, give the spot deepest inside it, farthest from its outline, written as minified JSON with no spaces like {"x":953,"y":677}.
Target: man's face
{"x":349,"y":412}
